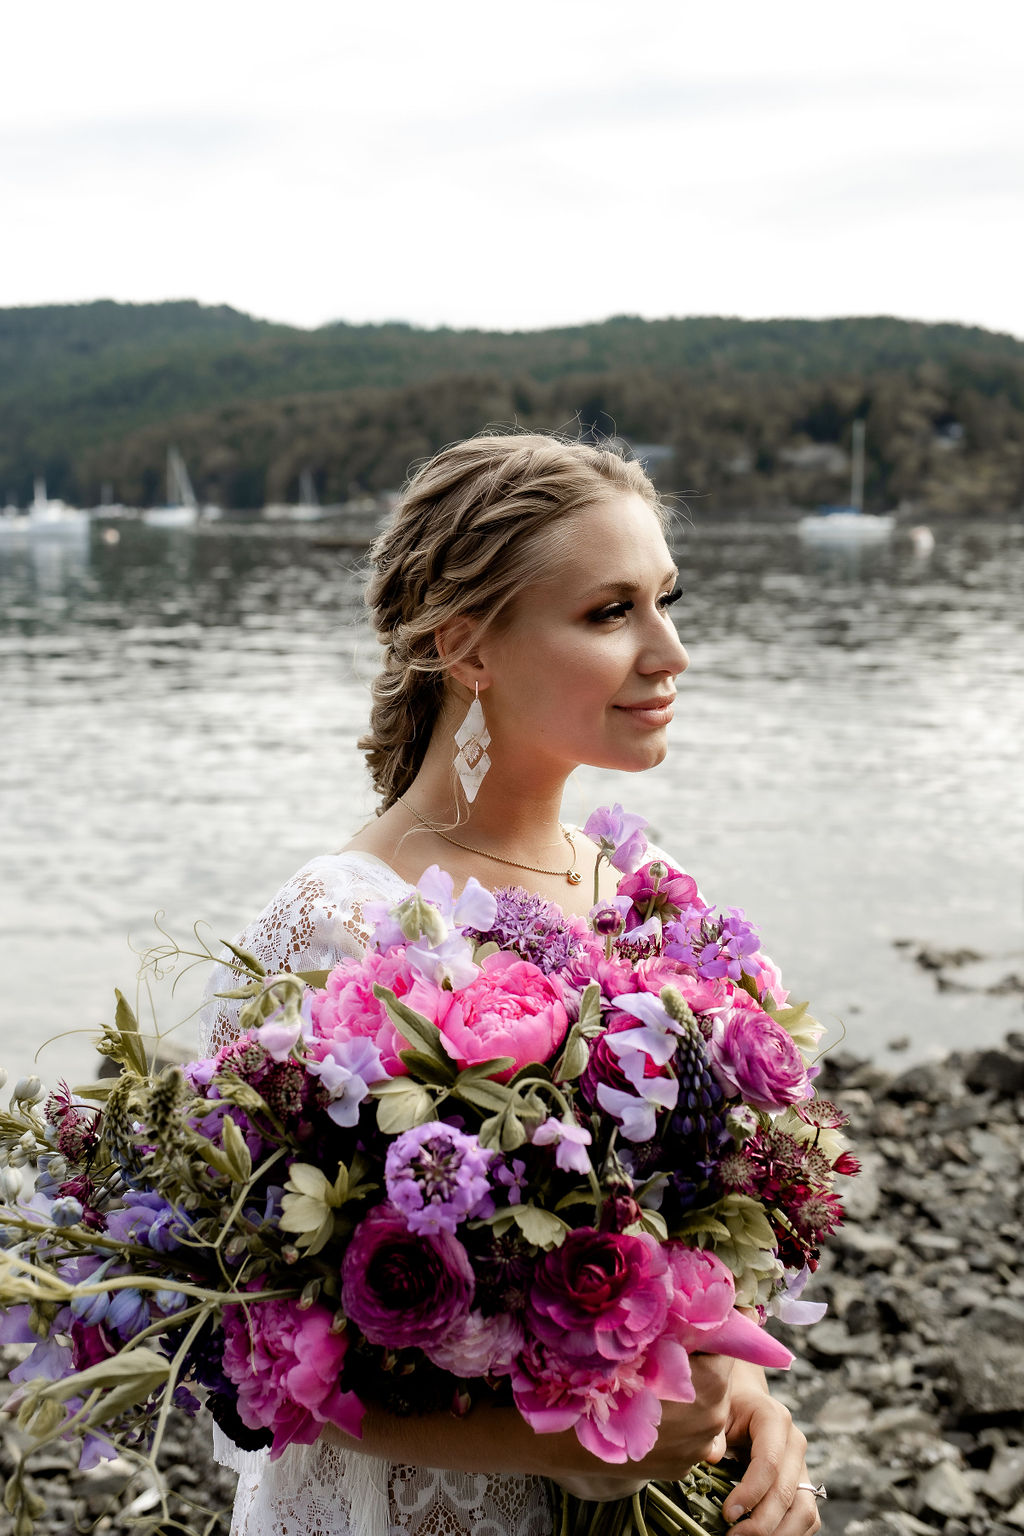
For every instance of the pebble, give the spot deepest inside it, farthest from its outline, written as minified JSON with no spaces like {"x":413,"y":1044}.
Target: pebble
{"x":911,"y":1390}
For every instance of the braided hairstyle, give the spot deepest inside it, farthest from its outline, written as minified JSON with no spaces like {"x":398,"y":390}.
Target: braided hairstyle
{"x":474,"y":527}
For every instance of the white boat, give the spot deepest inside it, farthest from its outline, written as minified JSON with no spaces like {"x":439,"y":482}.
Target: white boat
{"x":849,"y":523}
{"x":181,"y":509}
{"x":306,"y":510}
{"x":47,"y":516}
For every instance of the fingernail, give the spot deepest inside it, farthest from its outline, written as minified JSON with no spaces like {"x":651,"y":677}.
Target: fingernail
{"x":733,"y":1512}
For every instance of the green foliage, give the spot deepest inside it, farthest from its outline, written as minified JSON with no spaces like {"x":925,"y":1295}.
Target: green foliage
{"x":95,"y":393}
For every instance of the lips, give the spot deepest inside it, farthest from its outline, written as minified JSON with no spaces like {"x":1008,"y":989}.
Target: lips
{"x":656,"y":711}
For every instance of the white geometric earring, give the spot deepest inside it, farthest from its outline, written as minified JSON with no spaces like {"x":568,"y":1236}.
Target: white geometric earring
{"x":473,"y":738}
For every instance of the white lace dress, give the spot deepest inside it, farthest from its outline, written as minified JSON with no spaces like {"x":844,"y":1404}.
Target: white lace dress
{"x":323,"y":1489}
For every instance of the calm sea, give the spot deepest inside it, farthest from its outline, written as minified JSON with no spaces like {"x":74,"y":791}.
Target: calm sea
{"x":180,"y":713}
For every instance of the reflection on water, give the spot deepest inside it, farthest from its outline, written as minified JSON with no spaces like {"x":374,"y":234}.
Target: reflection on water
{"x":182,"y":709}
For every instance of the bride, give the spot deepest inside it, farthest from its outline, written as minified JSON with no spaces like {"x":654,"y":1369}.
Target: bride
{"x":522,"y":596}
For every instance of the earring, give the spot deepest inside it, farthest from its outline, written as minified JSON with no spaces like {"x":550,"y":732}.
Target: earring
{"x":473,"y":738}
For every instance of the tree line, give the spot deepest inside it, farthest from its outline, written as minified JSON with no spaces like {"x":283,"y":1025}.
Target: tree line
{"x":754,"y":413}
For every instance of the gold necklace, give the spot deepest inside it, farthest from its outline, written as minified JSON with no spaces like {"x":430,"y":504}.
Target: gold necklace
{"x":570,"y":874}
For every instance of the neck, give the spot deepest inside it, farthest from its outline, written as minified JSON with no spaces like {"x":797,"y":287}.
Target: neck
{"x":509,"y":812}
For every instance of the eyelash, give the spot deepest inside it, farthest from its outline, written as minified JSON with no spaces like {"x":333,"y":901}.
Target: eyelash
{"x":619,"y":610}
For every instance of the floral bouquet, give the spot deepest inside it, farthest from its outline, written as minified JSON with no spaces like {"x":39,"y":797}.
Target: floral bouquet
{"x":505,"y":1154}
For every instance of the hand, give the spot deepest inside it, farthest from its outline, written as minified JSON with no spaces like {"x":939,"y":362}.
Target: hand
{"x":689,"y":1432}
{"x":768,"y":1494}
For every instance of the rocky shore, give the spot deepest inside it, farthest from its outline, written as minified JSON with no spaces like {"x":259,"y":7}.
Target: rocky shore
{"x":911,"y":1389}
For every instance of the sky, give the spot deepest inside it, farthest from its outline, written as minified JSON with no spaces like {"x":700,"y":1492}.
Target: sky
{"x":516,"y":166}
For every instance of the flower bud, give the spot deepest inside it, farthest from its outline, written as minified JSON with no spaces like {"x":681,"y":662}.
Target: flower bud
{"x":310,"y":1294}
{"x":66,"y":1212}
{"x":741,"y":1123}
{"x":606,"y":920}
{"x":657,"y":872}
{"x":29,"y":1090}
{"x":10,"y":1185}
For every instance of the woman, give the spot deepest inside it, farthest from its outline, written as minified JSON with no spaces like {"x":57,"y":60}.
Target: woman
{"x":522,"y":596}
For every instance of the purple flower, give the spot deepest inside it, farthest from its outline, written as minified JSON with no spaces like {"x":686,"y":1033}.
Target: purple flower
{"x":635,"y":1114}
{"x":658,"y":1033}
{"x":49,"y":1361}
{"x":147,"y":1218}
{"x":66,"y":1211}
{"x":569,"y":1141}
{"x":788,"y":1307}
{"x":482,"y":1346}
{"x":619,"y":834}
{"x":437,"y":1176}
{"x":535,"y":929}
{"x":714,"y":944}
{"x":667,"y":896}
{"x":346,"y":1071}
{"x":755,"y":1058}
{"x":401,"y":1288}
{"x":128,"y":1312}
{"x":601,"y":1298}
{"x":513,"y":1177}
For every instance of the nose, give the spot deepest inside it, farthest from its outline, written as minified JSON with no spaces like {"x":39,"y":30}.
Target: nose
{"x":666,"y":653}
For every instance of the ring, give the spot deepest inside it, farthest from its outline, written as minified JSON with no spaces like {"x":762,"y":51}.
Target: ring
{"x":819,"y":1490}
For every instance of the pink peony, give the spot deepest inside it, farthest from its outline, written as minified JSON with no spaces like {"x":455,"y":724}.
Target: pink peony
{"x":346,"y":1008}
{"x":286,"y":1363}
{"x":402,"y":1288}
{"x":703,"y":1316}
{"x":510,"y":1009}
{"x":614,"y":1412}
{"x":601,"y":1298}
{"x":480,"y":1346}
{"x":754,"y":1057}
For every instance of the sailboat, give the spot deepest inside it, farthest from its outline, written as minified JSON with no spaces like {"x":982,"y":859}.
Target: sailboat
{"x":46,"y":515}
{"x":306,"y":510}
{"x":848,"y":523}
{"x":181,"y":509}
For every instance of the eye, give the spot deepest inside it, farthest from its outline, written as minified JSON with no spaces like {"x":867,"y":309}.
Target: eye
{"x":610,"y":613}
{"x":671,"y":597}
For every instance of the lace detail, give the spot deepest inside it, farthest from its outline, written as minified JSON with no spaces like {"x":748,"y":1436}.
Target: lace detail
{"x":324,"y":1489}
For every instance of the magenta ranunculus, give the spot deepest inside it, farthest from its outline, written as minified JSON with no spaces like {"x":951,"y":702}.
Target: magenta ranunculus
{"x":601,"y":1298}
{"x":754,"y":1057}
{"x":403,"y":1288}
{"x":510,"y":1009}
{"x":286,"y":1362}
{"x":674,"y":892}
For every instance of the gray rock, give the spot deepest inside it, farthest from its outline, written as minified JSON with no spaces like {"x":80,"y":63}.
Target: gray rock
{"x":1015,"y":1516}
{"x":847,"y":1413}
{"x":1004,"y":1480}
{"x":945,"y":1490}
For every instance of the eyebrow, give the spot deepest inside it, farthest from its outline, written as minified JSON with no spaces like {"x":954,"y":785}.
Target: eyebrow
{"x":627,"y":588}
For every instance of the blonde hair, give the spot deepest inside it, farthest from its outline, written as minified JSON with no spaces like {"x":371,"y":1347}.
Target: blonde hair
{"x":474,"y":527}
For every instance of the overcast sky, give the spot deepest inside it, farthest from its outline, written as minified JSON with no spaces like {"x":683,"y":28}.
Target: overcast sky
{"x":516,"y":165}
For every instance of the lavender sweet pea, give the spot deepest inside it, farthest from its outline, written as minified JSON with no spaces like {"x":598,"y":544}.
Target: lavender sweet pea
{"x":619,"y":835}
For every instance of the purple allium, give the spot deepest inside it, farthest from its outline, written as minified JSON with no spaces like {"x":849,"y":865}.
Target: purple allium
{"x":532,"y":927}
{"x":437,"y":1176}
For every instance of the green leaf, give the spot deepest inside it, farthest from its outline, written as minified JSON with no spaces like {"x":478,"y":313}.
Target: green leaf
{"x":749,"y":986}
{"x":482,"y":1094}
{"x":401,"y":1105}
{"x":125,"y":1379}
{"x":573,"y":1061}
{"x":249,"y":961}
{"x":236,"y":1152}
{"x":127,"y":1026}
{"x":421,"y":1034}
{"x":428,"y":1068}
{"x":316,"y":979}
{"x":542,"y":1228}
{"x":652,"y":1222}
{"x":589,"y":1019}
{"x":487,"y":1068}
{"x":482,"y":951}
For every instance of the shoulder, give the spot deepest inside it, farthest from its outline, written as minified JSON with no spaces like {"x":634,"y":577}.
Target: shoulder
{"x":322,"y":903}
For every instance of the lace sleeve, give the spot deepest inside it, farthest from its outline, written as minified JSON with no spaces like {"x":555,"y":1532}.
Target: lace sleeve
{"x":315,"y":919}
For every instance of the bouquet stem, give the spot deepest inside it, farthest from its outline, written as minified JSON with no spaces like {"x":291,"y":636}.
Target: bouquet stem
{"x":690,"y":1506}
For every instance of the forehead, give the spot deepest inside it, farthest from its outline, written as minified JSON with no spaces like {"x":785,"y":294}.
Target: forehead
{"x":618,"y":539}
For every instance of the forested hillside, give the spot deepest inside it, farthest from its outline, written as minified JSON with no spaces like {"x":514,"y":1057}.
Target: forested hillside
{"x":757,"y":413}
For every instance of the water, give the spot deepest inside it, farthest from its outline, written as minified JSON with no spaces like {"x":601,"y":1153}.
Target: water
{"x":181,"y":711}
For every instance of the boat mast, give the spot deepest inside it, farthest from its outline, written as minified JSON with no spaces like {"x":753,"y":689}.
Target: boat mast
{"x":857,"y":467}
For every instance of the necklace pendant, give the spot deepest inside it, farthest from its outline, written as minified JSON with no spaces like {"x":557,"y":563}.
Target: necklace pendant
{"x":573,"y":878}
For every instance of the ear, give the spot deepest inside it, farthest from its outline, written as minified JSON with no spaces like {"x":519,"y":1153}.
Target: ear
{"x":455,"y":642}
